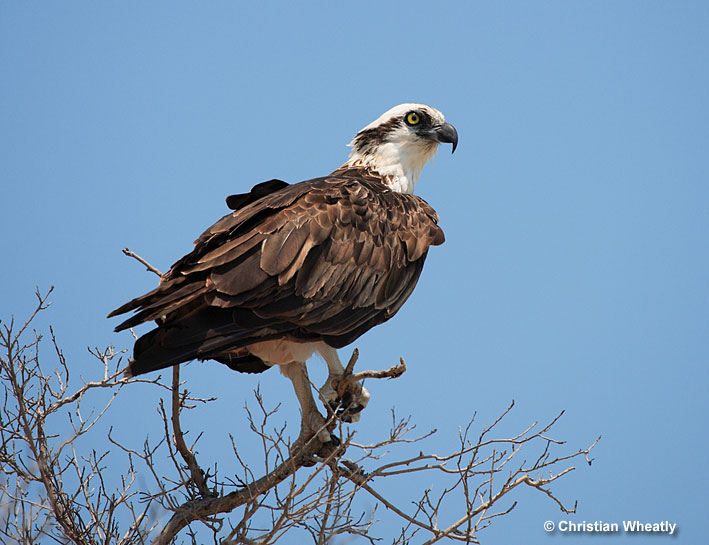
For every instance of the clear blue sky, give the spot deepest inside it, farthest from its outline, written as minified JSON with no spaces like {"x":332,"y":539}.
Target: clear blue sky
{"x":575,"y":271}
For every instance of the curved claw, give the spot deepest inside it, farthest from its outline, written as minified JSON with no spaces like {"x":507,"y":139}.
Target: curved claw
{"x":347,"y":406}
{"x":345,"y":412}
{"x":349,"y":414}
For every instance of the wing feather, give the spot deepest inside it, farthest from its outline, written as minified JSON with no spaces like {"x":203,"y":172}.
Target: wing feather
{"x":249,"y":275}
{"x":281,"y":248}
{"x":325,"y":259}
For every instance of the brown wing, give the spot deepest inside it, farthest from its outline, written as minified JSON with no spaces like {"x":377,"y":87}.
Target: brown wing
{"x":325,"y":259}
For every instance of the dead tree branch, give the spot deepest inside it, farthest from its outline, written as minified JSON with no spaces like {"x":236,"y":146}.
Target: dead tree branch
{"x":55,"y":486}
{"x":148,"y":266}
{"x":187,"y":455}
{"x":49,"y":490}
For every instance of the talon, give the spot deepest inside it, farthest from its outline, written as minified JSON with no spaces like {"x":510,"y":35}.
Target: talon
{"x":348,"y":405}
{"x":309,"y":463}
{"x":346,"y":399}
{"x":350,"y":414}
{"x":342,"y":406}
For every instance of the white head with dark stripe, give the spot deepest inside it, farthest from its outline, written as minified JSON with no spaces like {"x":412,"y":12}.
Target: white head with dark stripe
{"x":400,"y":143}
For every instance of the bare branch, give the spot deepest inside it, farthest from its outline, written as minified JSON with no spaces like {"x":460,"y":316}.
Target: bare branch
{"x":206,"y":507}
{"x":348,"y":378}
{"x":56,"y":485}
{"x":187,"y":455}
{"x":148,"y":266}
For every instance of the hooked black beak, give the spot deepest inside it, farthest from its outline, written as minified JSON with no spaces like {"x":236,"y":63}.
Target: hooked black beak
{"x":446,"y":134}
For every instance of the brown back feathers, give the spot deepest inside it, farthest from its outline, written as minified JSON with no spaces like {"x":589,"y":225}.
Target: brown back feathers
{"x":325,"y":259}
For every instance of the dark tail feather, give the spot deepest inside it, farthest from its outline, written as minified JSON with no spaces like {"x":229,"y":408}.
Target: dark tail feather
{"x":169,"y":345}
{"x":153,"y":310}
{"x":134,"y":303}
{"x":149,"y":356}
{"x":154,"y":351}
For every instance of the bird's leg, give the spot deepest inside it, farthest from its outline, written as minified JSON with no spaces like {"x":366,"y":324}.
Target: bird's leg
{"x":313,"y":423}
{"x":355,"y":397}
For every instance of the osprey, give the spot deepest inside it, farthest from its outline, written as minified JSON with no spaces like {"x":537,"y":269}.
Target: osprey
{"x":302,"y":268}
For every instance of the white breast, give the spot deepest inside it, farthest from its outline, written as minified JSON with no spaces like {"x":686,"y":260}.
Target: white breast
{"x":282,"y":351}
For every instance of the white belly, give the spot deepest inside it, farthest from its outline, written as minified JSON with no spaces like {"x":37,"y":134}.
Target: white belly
{"x":283,"y":351}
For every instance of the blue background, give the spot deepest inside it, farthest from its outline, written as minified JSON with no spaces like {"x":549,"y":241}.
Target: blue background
{"x":576,"y":209}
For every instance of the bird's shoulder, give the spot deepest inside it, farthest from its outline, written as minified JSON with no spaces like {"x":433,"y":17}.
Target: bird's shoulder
{"x":346,"y":197}
{"x":349,"y":204}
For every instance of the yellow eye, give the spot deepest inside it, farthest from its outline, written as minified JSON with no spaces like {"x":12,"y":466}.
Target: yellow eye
{"x":412,"y":118}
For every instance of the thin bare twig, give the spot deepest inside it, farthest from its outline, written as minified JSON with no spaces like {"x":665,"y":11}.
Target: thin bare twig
{"x":187,"y":455}
{"x":348,"y":378}
{"x":308,"y":487}
{"x":147,"y":265}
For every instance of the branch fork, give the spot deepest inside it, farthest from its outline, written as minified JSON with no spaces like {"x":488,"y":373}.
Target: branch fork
{"x":348,"y":377}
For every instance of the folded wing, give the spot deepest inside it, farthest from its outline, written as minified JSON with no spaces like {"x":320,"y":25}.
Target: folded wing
{"x":325,"y":259}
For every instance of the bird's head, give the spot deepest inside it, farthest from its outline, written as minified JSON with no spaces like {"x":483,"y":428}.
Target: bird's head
{"x":400,"y":142}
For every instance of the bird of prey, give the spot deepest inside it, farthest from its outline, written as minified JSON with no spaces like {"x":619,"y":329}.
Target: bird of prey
{"x":301,"y":268}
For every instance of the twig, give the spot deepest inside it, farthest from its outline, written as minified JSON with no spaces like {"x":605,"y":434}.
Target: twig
{"x":187,"y":455}
{"x":393,"y":372}
{"x":206,"y":507}
{"x":348,"y":378}
{"x":474,"y":483}
{"x":148,"y":266}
